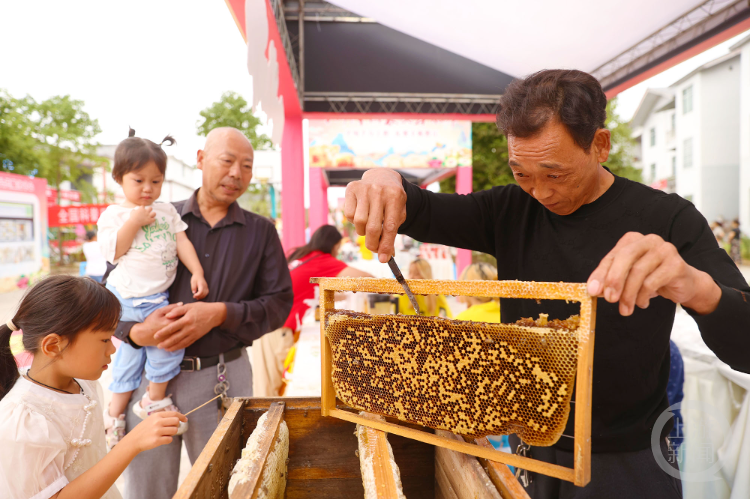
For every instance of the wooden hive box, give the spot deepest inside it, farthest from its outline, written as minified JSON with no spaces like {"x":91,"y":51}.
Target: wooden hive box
{"x":323,"y":462}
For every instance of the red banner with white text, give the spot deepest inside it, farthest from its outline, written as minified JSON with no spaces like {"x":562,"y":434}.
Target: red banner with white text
{"x":74,"y":215}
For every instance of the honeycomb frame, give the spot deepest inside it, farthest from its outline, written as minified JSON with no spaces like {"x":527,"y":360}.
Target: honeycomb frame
{"x":574,"y":292}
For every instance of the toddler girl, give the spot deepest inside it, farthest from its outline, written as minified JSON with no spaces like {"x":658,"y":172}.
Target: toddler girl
{"x":144,"y":239}
{"x":51,"y":427}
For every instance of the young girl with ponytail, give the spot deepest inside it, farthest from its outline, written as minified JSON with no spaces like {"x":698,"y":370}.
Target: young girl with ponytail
{"x":52,"y":442}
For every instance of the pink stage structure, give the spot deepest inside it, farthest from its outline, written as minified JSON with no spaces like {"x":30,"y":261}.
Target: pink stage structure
{"x":311,"y":68}
{"x":317,"y":60}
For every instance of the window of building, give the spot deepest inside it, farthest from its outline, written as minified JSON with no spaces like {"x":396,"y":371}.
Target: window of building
{"x":687,"y":99}
{"x":674,"y":166}
{"x":653,"y":136}
{"x":674,"y":121}
{"x":653,"y":172}
{"x":687,"y":153}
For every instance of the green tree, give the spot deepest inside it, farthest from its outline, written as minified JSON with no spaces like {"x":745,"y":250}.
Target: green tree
{"x":67,"y":133}
{"x":490,"y":154}
{"x":20,"y":152}
{"x":52,"y":139}
{"x":489,"y":159}
{"x":256,"y":199}
{"x":622,"y":154}
{"x":233,"y":110}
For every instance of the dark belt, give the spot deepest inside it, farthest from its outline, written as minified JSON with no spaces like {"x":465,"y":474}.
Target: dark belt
{"x":190,"y":364}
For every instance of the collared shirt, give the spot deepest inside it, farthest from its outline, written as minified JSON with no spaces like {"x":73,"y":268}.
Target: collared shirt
{"x":244,"y":266}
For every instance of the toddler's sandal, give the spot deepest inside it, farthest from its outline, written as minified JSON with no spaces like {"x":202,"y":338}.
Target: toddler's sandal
{"x":146,"y":406}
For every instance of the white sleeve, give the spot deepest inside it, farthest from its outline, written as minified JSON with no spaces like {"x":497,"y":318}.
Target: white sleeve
{"x":33,"y":451}
{"x":108,"y":226}
{"x":177,"y":223}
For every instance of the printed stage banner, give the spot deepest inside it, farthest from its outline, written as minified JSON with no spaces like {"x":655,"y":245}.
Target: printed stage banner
{"x":389,"y":143}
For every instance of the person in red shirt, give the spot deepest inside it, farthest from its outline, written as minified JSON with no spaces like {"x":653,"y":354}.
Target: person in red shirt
{"x":315,"y":259}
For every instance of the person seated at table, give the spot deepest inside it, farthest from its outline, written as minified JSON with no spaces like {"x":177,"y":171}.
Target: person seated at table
{"x":275,"y":350}
{"x":429,"y":305}
{"x":480,"y":309}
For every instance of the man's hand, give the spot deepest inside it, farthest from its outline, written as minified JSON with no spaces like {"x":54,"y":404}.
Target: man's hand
{"x":143,"y":215}
{"x":192,"y":322}
{"x":641,"y":267}
{"x":376,"y":205}
{"x":142,"y":334}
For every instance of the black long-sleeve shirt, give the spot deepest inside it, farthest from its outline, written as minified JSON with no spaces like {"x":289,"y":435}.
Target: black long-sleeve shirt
{"x":631,"y":354}
{"x":244,"y":266}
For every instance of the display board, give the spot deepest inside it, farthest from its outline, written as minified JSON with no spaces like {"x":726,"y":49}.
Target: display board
{"x":23,"y":230}
{"x":389,"y":143}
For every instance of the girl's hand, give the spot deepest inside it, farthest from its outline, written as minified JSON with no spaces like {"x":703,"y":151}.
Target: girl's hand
{"x":199,"y":286}
{"x":155,"y":430}
{"x":143,"y":215}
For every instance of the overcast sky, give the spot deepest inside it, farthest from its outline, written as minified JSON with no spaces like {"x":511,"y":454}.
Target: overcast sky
{"x":154,"y":65}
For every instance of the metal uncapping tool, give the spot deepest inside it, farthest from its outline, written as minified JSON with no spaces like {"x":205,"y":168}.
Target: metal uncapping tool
{"x":400,"y":278}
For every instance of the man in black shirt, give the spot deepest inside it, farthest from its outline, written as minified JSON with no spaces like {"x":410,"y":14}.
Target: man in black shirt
{"x":570,"y":219}
{"x":250,"y":294}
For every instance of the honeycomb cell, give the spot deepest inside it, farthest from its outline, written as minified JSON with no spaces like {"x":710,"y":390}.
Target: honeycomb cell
{"x":470,"y":378}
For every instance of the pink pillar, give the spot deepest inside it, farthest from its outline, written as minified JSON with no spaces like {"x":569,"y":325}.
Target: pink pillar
{"x":463,"y":186}
{"x":318,"y":199}
{"x":292,"y":184}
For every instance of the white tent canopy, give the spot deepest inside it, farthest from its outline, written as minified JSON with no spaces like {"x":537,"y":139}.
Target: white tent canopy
{"x":612,"y":39}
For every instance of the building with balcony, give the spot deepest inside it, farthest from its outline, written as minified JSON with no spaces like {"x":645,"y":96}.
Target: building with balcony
{"x":690,"y":139}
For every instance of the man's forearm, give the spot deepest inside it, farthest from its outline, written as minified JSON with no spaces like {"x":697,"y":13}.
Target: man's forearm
{"x":219,"y":313}
{"x":724,"y":329}
{"x":142,"y":336}
{"x":707,"y":295}
{"x":249,"y":320}
{"x":123,"y":332}
{"x":459,"y":221}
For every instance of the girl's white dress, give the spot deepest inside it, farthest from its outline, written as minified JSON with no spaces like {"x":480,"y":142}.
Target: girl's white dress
{"x":47,"y":439}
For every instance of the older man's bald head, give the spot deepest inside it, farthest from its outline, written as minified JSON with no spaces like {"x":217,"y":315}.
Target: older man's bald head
{"x":226,"y":133}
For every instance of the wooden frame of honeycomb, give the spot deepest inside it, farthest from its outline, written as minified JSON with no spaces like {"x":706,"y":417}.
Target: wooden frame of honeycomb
{"x":575,"y":292}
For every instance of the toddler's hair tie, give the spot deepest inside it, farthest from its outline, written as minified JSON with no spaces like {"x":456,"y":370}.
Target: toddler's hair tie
{"x":11,"y":326}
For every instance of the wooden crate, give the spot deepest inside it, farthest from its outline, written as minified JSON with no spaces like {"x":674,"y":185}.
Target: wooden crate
{"x":322,"y":459}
